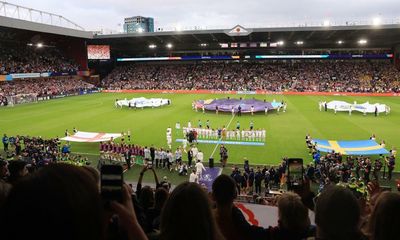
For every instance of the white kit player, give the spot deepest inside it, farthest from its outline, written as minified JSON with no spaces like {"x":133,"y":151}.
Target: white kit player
{"x":200,"y":156}
{"x":263,"y":133}
{"x":195,"y":151}
{"x":169,"y":137}
{"x":199,"y":169}
{"x":189,"y":124}
{"x":237,"y":134}
{"x":184,"y":144}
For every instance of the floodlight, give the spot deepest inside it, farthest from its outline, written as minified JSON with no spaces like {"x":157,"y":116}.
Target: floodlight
{"x":362,"y":41}
{"x":376,"y":21}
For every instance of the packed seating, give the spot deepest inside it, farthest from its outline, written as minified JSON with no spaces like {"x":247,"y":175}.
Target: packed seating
{"x":43,"y":86}
{"x":29,"y":59}
{"x":301,"y":76}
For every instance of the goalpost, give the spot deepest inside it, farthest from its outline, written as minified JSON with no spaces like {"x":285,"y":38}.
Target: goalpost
{"x":22,"y":98}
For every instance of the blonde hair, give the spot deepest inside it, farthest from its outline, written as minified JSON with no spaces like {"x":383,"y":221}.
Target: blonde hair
{"x":293,"y":215}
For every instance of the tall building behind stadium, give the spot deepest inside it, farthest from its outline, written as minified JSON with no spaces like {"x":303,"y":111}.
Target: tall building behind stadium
{"x":138,"y":24}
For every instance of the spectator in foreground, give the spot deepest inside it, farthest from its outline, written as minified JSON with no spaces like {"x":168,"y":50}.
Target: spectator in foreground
{"x":18,"y":170}
{"x":337,"y":215}
{"x":293,"y":220}
{"x":153,"y":214}
{"x":62,"y":201}
{"x":385,"y":221}
{"x":5,"y":187}
{"x":224,"y":193}
{"x":187,"y":215}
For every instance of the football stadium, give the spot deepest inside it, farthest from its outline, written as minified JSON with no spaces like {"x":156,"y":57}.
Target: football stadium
{"x":285,"y":131}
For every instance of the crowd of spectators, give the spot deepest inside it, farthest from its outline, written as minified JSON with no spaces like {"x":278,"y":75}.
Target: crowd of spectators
{"x":63,"y":200}
{"x":3,"y":100}
{"x":301,"y":76}
{"x":37,"y":152}
{"x":30,"y":59}
{"x":354,"y":170}
{"x":41,"y":87}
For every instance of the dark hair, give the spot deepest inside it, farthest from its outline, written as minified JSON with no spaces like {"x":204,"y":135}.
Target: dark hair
{"x":14,"y":168}
{"x":59,"y":201}
{"x":146,"y":197}
{"x":93,"y":172}
{"x":224,"y":189}
{"x":160,"y":197}
{"x":384,"y":221}
{"x":337,"y":214}
{"x":187,"y":214}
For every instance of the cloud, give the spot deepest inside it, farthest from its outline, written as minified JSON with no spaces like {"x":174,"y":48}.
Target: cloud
{"x":97,"y":14}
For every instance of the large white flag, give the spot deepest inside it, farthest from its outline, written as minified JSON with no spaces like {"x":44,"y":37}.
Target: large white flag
{"x":91,"y":137}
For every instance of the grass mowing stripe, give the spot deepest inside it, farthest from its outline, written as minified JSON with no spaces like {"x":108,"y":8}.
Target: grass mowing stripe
{"x":227,"y":126}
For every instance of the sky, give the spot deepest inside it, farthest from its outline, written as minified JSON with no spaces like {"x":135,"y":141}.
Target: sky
{"x":186,"y":14}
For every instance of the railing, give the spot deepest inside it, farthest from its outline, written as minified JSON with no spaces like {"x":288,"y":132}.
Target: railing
{"x":28,"y":14}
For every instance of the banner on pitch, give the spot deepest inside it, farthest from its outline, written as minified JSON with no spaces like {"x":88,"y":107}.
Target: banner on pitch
{"x":360,"y":147}
{"x":91,"y":137}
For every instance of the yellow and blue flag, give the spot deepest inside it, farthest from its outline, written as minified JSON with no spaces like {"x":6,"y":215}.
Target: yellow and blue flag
{"x":359,"y":147}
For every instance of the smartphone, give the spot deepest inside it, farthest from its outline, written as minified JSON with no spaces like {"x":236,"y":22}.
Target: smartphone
{"x":111,"y":182}
{"x":295,"y":173}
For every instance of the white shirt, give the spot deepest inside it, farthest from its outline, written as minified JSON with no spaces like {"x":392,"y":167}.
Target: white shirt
{"x":189,"y":124}
{"x":147,"y":153}
{"x":195,"y":151}
{"x":199,"y":167}
{"x":193,"y":177}
{"x":200,"y":156}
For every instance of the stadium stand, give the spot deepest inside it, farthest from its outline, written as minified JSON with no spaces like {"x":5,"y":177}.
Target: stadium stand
{"x":29,"y":59}
{"x":377,"y":76}
{"x":44,"y":86}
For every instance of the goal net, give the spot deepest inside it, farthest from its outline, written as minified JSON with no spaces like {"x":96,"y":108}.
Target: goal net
{"x":22,"y":98}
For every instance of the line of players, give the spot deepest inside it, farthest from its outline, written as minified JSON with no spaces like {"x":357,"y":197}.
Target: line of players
{"x":220,"y":133}
{"x":223,"y":133}
{"x":157,"y":157}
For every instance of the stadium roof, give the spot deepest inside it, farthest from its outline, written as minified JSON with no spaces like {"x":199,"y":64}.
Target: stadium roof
{"x":13,"y":25}
{"x":384,"y":36}
{"x":316,"y":37}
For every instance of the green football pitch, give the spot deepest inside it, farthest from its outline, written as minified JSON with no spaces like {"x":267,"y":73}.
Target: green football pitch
{"x":285,"y":131}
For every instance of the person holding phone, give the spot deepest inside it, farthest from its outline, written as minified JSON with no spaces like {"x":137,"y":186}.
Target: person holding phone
{"x":65,"y":217}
